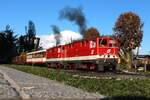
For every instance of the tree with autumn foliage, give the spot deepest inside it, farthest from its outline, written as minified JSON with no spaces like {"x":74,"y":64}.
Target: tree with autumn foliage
{"x":91,"y":33}
{"x":128,"y":32}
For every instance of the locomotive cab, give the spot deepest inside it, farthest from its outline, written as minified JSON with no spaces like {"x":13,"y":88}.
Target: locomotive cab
{"x":107,"y":46}
{"x":108,"y":53}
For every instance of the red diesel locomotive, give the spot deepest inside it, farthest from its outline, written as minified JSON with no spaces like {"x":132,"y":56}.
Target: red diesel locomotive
{"x":99,"y":54}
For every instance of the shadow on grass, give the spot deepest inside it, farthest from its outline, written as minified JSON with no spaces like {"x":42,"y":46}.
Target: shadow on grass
{"x":126,"y":98}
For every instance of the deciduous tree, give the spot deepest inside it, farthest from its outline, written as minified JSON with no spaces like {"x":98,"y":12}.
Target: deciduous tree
{"x":91,"y":33}
{"x":128,"y":32}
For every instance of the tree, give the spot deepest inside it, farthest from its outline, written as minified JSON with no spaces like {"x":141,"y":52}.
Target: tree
{"x":30,"y":36}
{"x":8,"y":44}
{"x":128,"y":32}
{"x":11,"y":38}
{"x":28,"y":42}
{"x":2,"y":47}
{"x":21,"y":44}
{"x":91,"y":33}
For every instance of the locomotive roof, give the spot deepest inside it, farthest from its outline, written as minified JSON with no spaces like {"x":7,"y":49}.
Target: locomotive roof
{"x":37,"y":51}
{"x":75,"y":41}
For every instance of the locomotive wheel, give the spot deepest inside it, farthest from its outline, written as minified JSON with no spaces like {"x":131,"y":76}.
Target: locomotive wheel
{"x":71,"y":66}
{"x":100,"y":67}
{"x":66,"y":66}
{"x":113,"y":67}
{"x":91,"y":67}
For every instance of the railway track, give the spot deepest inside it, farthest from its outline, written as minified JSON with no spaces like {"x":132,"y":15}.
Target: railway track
{"x":107,"y":75}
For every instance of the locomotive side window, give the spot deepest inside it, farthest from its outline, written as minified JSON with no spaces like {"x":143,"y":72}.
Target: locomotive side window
{"x":112,"y":43}
{"x":92,"y":44}
{"x":82,"y":43}
{"x":58,"y":50}
{"x":86,"y":43}
{"x":29,"y":56}
{"x":33,"y":55}
{"x":42,"y":54}
{"x":71,"y":45}
{"x":52,"y":50}
{"x":102,"y":42}
{"x":62,"y":49}
{"x":38,"y":55}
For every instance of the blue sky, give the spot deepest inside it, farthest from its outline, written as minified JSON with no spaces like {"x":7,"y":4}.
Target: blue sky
{"x":101,"y":14}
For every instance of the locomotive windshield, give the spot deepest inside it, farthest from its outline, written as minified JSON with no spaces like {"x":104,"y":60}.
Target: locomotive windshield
{"x":112,"y":43}
{"x":102,"y":43}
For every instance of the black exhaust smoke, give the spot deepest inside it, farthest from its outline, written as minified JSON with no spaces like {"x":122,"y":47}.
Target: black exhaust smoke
{"x":74,"y":15}
{"x":57,"y":34}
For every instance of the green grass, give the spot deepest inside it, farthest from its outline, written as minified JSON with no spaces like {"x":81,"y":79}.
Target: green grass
{"x":134,"y":87}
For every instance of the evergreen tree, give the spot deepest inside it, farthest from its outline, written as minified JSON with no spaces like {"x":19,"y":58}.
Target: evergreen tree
{"x":8,"y":44}
{"x":29,"y":41}
{"x":30,"y":36}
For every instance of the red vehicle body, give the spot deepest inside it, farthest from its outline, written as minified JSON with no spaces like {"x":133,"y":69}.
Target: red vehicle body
{"x":98,"y":54}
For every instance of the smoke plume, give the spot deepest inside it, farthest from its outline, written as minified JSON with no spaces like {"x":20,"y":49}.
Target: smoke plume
{"x":56,"y":34}
{"x":74,"y":15}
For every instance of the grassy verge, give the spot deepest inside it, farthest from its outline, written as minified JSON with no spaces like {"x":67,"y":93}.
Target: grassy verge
{"x":111,"y":87}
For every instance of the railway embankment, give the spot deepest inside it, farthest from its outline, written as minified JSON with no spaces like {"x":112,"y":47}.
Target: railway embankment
{"x":30,"y":86}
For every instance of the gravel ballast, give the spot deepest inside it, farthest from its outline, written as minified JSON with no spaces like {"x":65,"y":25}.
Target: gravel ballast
{"x":6,"y":90}
{"x":39,"y":87}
